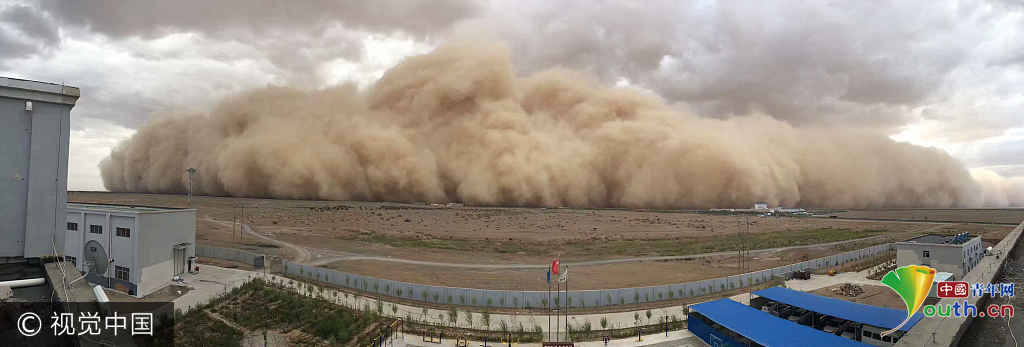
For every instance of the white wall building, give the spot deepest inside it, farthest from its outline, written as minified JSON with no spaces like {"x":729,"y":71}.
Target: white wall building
{"x":133,"y":249}
{"x":956,"y":254}
{"x":34,"y":132}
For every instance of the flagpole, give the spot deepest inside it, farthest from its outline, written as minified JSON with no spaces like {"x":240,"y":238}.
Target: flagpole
{"x":549,"y":303}
{"x":567,"y":304}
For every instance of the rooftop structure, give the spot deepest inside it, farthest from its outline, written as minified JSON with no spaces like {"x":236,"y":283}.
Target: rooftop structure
{"x":941,"y":239}
{"x":956,"y":254}
{"x":859,"y":322}
{"x":725,"y":322}
{"x":881,"y":317}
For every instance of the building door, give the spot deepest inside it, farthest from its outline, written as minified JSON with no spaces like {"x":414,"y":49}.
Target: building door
{"x":179,"y":260}
{"x":716,"y":341}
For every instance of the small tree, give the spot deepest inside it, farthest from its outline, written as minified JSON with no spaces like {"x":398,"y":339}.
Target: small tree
{"x":648,"y":313}
{"x":486,"y":319}
{"x":469,"y":319}
{"x":604,"y":322}
{"x":453,"y":315}
{"x":636,"y":317}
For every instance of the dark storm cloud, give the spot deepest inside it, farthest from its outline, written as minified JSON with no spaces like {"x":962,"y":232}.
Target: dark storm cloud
{"x":805,"y":62}
{"x":29,"y":21}
{"x":294,"y":36}
{"x":12,"y":47}
{"x":24,"y":31}
{"x":155,"y":18}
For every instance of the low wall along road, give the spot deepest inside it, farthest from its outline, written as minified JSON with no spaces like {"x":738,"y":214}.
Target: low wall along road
{"x":256,"y":260}
{"x":576,"y":298}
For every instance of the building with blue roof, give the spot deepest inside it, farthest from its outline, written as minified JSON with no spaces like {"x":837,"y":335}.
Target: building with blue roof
{"x":728,"y":323}
{"x":852,"y":320}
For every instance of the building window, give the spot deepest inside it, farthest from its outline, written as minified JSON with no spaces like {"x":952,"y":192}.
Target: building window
{"x":124,"y":232}
{"x":926,"y":255}
{"x":71,"y":260}
{"x":72,"y":226}
{"x":121,"y":273}
{"x":96,"y":229}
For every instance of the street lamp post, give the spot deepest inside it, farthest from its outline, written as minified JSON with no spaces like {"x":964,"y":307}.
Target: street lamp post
{"x":191,"y":171}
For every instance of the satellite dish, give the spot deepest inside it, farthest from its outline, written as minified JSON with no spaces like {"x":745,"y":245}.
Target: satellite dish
{"x":96,"y":258}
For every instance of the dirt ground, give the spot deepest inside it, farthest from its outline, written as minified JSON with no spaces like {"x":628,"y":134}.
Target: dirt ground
{"x":1002,"y":216}
{"x":880,"y":296}
{"x":326,"y":233}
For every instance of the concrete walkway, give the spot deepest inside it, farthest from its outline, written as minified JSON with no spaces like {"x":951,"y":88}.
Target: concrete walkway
{"x":682,"y":338}
{"x":209,"y":283}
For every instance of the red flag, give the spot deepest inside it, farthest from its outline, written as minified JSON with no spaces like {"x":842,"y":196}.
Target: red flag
{"x":554,"y":266}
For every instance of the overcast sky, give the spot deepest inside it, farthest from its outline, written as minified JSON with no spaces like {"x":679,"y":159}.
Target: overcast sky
{"x":948,"y":74}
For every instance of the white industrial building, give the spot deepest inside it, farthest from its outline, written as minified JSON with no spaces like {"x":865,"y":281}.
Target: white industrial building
{"x":955,"y":254}
{"x":34,"y":133}
{"x":133,"y":249}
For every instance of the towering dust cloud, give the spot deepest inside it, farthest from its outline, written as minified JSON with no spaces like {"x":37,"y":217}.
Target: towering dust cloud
{"x":459,"y":125}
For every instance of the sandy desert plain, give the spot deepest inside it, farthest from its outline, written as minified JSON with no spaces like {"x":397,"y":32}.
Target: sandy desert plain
{"x":509,"y":247}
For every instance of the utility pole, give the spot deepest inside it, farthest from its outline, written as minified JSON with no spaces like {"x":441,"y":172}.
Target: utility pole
{"x":739,"y":247}
{"x":191,"y":171}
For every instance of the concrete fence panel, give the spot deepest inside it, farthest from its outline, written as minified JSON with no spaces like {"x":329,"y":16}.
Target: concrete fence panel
{"x":237,"y":255}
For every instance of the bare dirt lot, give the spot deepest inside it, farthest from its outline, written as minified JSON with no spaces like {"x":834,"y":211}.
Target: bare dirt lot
{"x":873,"y":295}
{"x":999,"y":216}
{"x":347,"y":235}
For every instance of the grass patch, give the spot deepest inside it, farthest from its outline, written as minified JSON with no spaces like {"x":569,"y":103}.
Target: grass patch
{"x":258,"y":305}
{"x":198,"y":329}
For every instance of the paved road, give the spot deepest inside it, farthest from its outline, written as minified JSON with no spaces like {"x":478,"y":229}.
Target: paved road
{"x":302,"y":254}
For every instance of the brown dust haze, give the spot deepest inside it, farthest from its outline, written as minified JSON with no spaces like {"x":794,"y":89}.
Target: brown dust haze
{"x":458,"y":125}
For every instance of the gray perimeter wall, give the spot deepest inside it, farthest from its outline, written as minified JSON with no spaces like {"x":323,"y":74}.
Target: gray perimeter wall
{"x":256,"y":260}
{"x":577,"y":298}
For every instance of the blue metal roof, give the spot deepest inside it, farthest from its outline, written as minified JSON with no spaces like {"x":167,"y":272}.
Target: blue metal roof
{"x":885,"y":318}
{"x":766,"y":329}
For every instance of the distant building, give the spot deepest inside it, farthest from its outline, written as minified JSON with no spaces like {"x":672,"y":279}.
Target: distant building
{"x":789,"y":210}
{"x":133,"y":249}
{"x":34,"y":133}
{"x":760,"y":206}
{"x":955,"y":254}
